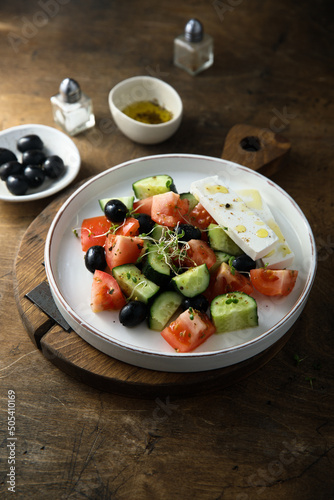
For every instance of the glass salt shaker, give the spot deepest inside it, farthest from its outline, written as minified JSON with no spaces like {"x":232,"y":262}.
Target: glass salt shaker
{"x":72,"y":109}
{"x":193,"y":50}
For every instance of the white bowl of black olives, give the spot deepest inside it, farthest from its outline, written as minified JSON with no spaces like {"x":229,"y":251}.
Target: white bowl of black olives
{"x":36,"y":161}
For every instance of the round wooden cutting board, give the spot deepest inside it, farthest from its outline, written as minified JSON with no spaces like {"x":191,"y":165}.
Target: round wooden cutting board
{"x":77,"y":358}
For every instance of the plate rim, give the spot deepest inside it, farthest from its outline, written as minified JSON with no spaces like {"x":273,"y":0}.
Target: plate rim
{"x":299,"y":304}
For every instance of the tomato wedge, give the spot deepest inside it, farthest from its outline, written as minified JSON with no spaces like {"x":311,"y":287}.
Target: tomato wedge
{"x":143,"y":206}
{"x":122,"y":249}
{"x":168,"y":209}
{"x":188,"y":331}
{"x":200,"y":253}
{"x":200,"y":217}
{"x":130,"y":227}
{"x":273,"y":282}
{"x":223,"y":280}
{"x":93,"y":231}
{"x":106,"y":294}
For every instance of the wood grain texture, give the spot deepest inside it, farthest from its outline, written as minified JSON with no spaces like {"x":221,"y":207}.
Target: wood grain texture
{"x":270,"y":435}
{"x":256,"y":148}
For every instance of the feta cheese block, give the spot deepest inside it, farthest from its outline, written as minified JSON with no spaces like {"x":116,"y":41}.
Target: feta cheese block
{"x":241,"y":224}
{"x":281,"y":256}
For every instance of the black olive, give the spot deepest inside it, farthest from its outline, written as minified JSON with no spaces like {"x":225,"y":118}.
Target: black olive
{"x":198,"y":302}
{"x":115,"y":210}
{"x":146,"y":224}
{"x":35,"y":175}
{"x":33,"y":157}
{"x":133,"y":313}
{"x":10,"y":168}
{"x":53,"y":166}
{"x":95,"y":259}
{"x":243,"y":264}
{"x":188,"y":232}
{"x":29,"y":142}
{"x":17,"y":184}
{"x":6,"y":155}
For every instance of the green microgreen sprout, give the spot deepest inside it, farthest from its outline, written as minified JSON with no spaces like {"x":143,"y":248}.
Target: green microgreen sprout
{"x":297,"y":359}
{"x":230,"y":261}
{"x":169,"y":247}
{"x":310,"y":379}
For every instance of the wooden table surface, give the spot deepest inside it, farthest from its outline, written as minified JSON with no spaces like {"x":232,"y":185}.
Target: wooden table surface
{"x":270,"y":436}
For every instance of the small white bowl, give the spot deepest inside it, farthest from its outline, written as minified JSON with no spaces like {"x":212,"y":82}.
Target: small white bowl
{"x":55,"y":143}
{"x":145,"y":88}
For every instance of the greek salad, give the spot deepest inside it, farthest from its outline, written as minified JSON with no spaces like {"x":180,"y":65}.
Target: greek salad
{"x":186,"y":263}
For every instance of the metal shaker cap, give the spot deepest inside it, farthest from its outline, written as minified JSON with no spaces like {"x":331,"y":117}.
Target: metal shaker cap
{"x":70,"y":90}
{"x":193,"y":31}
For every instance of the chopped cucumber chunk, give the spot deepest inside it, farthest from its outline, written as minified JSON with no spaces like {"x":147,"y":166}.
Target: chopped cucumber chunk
{"x":149,"y":186}
{"x":155,"y":267}
{"x":191,"y":198}
{"x":219,"y":240}
{"x":134,"y":283}
{"x":192,"y":282}
{"x":163,"y":308}
{"x":159,"y":231}
{"x":127,"y":200}
{"x":233,"y":311}
{"x":220,"y":258}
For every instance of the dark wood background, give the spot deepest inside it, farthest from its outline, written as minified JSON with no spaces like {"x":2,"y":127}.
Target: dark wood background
{"x":269,"y":436}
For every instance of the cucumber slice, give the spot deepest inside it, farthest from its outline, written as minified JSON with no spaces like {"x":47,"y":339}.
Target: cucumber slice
{"x":159,"y":232}
{"x":134,"y":283}
{"x":155,"y":267}
{"x":219,"y":240}
{"x":191,"y":198}
{"x":220,"y":257}
{"x":163,"y":308}
{"x":192,"y":282}
{"x":127,"y":200}
{"x":233,"y":311}
{"x":149,"y":186}
{"x":223,"y":256}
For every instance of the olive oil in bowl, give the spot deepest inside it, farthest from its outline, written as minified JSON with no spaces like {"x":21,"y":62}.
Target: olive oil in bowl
{"x":147,"y":112}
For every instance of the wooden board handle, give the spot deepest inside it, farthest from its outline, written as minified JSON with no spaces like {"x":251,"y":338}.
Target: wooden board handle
{"x":256,"y":148}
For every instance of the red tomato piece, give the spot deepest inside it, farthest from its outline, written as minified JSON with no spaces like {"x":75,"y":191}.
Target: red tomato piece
{"x":130,"y":227}
{"x":106,"y":293}
{"x":122,"y":249}
{"x":273,"y":282}
{"x":200,"y":217}
{"x":224,"y":281}
{"x":143,"y":206}
{"x":188,"y":331}
{"x":168,"y":209}
{"x":93,"y":231}
{"x":200,"y":253}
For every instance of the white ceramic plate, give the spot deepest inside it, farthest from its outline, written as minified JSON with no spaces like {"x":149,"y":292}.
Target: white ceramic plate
{"x":55,"y":143}
{"x":71,"y":283}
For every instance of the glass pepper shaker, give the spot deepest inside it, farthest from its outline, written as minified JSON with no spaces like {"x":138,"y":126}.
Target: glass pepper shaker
{"x":193,"y":50}
{"x":72,"y":109}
